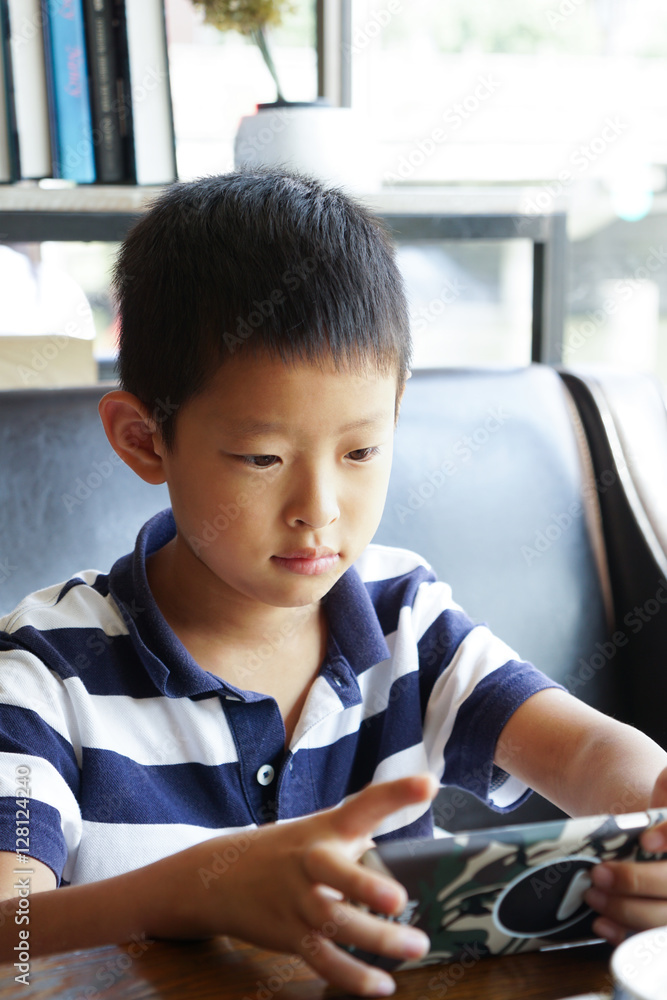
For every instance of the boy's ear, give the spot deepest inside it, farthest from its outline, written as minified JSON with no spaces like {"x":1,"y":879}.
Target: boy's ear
{"x":133,"y":434}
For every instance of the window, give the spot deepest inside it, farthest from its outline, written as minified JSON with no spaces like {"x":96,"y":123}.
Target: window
{"x":563,"y":101}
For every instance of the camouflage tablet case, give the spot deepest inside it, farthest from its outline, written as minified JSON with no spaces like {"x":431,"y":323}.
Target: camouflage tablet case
{"x":507,"y":889}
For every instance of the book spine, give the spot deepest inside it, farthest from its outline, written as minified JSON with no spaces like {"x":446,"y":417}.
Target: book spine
{"x":102,"y":84}
{"x":152,"y":116}
{"x":68,"y":86}
{"x":9,"y":167}
{"x":50,"y":94}
{"x":123,"y":95}
{"x":30,"y":94}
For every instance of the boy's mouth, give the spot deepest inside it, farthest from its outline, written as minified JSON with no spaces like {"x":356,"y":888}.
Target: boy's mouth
{"x":308,"y":562}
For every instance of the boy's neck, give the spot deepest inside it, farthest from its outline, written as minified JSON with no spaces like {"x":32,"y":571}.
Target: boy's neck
{"x":274,"y":651}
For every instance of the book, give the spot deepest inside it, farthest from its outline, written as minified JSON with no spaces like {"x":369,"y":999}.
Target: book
{"x":506,"y":889}
{"x":8,"y":137}
{"x":67,"y":86}
{"x":149,"y":92}
{"x":123,"y":91}
{"x":30,"y":96}
{"x":56,"y":360}
{"x":102,"y":72}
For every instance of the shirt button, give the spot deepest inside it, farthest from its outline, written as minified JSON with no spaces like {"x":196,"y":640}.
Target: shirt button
{"x":265,"y":774}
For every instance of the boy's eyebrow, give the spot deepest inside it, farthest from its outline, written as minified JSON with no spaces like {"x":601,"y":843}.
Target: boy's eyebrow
{"x":267,"y":427}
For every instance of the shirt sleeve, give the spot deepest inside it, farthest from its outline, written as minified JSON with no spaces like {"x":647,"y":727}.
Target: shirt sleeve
{"x":471,"y":682}
{"x":39,"y":770}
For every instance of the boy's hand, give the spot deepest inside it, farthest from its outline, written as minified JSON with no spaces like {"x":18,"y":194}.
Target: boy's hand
{"x":292,"y":888}
{"x":632,"y":895}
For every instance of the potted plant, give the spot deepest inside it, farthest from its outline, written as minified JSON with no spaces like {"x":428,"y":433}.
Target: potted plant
{"x":310,"y":136}
{"x":251,"y":18}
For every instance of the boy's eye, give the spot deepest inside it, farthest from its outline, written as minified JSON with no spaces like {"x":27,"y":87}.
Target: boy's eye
{"x":362,"y":454}
{"x":267,"y":461}
{"x":259,"y":461}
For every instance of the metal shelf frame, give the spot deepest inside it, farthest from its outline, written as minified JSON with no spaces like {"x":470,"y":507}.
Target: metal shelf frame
{"x":548,"y":234}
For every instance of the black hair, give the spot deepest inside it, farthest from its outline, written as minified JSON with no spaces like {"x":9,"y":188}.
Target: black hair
{"x":260,"y":261}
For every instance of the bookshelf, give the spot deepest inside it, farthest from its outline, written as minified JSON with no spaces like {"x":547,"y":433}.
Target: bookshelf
{"x":33,"y":213}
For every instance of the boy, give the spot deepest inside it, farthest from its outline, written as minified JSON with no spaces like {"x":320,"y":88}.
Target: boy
{"x":254,"y":660}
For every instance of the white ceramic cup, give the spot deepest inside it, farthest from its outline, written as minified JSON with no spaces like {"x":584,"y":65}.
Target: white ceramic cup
{"x":639,"y":966}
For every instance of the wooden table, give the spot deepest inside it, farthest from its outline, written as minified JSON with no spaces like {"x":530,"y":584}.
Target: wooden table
{"x":223,"y":969}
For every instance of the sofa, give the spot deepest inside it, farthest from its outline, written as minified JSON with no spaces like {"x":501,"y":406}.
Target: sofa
{"x":539,"y":495}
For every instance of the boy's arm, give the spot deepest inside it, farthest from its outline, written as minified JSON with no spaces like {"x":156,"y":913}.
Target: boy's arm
{"x":41,"y":877}
{"x":588,"y":763}
{"x":287,"y":887}
{"x":583,"y":761}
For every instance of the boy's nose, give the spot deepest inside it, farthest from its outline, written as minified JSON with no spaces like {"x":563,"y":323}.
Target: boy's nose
{"x":313,"y":502}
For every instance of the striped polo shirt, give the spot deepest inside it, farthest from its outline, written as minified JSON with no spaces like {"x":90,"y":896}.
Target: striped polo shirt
{"x":135,"y":752}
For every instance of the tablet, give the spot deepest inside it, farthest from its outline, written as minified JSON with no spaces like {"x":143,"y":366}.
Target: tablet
{"x":506,"y":889}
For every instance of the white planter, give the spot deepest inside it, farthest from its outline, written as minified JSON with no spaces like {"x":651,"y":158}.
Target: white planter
{"x":328,"y":143}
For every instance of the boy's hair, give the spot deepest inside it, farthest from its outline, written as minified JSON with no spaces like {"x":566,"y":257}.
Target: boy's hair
{"x":257,"y":261}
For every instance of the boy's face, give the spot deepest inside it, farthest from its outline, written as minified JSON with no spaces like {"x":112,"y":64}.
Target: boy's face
{"x":278,"y":477}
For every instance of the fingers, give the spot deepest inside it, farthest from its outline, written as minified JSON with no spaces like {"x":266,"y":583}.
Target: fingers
{"x":327,"y":866}
{"x":382,"y":937}
{"x":365,"y":811}
{"x":613,"y":933}
{"x":655,"y":839}
{"x":346,"y":924}
{"x":346,"y":973}
{"x":631,"y":878}
{"x":629,"y":912}
{"x":629,"y":896}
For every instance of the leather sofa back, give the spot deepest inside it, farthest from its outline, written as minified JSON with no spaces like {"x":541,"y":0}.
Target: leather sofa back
{"x":68,"y":502}
{"x":492,"y":483}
